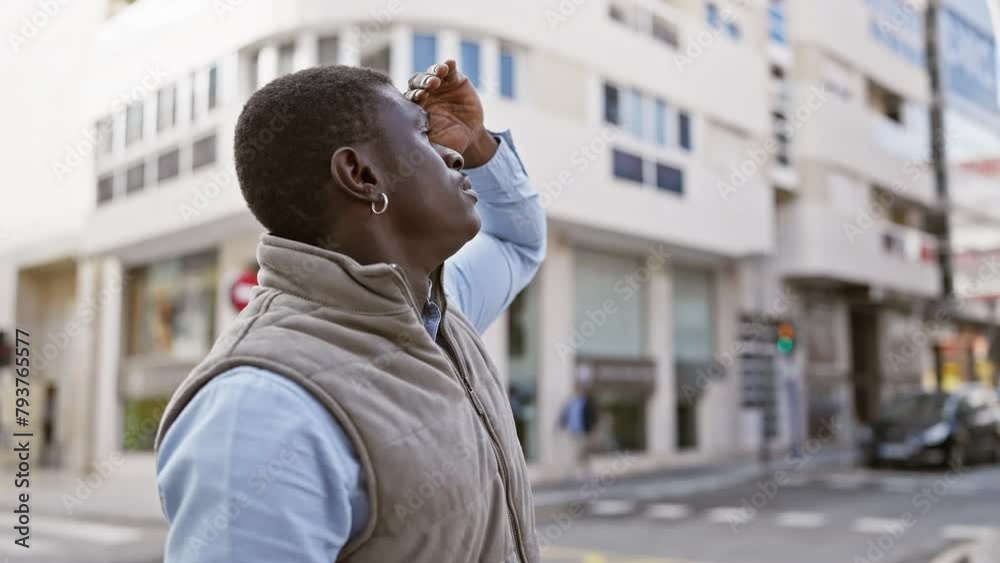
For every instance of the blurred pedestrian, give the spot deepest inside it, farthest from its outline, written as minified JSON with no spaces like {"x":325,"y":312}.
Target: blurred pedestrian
{"x":579,"y":419}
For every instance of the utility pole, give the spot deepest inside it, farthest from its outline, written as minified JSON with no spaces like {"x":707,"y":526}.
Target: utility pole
{"x":939,"y":163}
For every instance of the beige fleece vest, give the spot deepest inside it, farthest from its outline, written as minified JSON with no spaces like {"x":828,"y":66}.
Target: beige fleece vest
{"x":430,"y":422}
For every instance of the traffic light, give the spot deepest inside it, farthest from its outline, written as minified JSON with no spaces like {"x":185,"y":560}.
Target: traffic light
{"x":786,"y":338}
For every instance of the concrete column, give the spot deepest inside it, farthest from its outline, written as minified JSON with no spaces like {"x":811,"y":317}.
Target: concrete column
{"x":661,"y":422}
{"x":401,"y":58}
{"x":349,"y":46}
{"x":229,"y":78}
{"x":449,"y":45}
{"x":306,"y":50}
{"x":76,"y":408}
{"x":555,"y":385}
{"x":489,"y":71}
{"x":267,"y":64}
{"x":495,"y":339}
{"x":107,"y":402}
{"x":718,"y":414}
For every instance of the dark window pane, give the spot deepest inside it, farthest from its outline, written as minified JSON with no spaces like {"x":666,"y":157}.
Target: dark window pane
{"x":627,"y":166}
{"x":252,"y":71}
{"x":133,"y":123}
{"x":424,"y":51}
{"x":612,"y":105}
{"x":470,"y":61}
{"x":286,"y":59}
{"x":684,"y":130}
{"x":665,"y":31}
{"x":135,"y":177}
{"x":105,"y":135}
{"x":669,"y":178}
{"x":507,"y":74}
{"x":327,"y":51}
{"x":203,"y":152}
{"x":377,"y":60}
{"x":194,"y":95}
{"x":168,"y":165}
{"x":213,"y":87}
{"x":105,"y":188}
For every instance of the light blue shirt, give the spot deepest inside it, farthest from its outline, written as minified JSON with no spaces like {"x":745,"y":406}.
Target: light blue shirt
{"x":255,"y":469}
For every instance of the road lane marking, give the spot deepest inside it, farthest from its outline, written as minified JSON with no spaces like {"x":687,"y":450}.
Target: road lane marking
{"x":967,"y":532}
{"x":846,"y":481}
{"x":612,"y":507}
{"x":804,"y":520}
{"x":727,"y":515}
{"x":872,"y":525}
{"x":668,"y":511}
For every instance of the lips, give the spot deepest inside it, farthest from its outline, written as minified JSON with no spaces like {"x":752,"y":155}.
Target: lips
{"x":467,"y":188}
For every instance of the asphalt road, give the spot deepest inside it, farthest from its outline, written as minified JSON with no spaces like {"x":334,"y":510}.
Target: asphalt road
{"x":842,"y":517}
{"x":909,"y":517}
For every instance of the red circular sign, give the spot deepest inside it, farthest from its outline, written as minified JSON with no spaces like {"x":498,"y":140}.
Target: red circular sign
{"x":242,"y":289}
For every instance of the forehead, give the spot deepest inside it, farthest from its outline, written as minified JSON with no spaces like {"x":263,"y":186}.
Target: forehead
{"x":396,"y":112}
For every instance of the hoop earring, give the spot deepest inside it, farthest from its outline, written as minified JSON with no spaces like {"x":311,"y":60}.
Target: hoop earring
{"x":385,"y":205}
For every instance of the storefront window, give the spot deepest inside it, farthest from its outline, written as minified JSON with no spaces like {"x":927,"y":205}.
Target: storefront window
{"x":608,"y":336}
{"x":523,"y":338}
{"x":694,"y":344}
{"x":172,"y":307}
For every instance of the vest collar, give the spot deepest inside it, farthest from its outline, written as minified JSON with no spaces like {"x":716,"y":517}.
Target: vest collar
{"x":337,"y":280}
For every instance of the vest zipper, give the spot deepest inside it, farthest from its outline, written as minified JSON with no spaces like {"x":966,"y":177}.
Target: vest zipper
{"x":494,"y":441}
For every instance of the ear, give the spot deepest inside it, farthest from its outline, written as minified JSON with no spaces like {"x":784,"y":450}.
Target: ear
{"x":354,"y":175}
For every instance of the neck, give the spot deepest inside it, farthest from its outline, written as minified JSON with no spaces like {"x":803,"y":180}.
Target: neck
{"x":369,"y":248}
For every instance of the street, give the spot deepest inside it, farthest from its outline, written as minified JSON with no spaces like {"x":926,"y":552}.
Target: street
{"x":827,"y":516}
{"x":831,"y":518}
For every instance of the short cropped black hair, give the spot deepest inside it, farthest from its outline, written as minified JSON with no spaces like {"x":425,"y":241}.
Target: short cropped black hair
{"x":285,"y":137}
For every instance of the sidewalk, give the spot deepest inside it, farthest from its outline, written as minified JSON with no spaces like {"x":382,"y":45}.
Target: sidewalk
{"x":129,"y":493}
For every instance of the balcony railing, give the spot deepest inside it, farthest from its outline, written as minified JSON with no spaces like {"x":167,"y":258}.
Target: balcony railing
{"x":909,"y":244}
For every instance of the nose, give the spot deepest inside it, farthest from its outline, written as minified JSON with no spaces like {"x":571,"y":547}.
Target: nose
{"x":451,"y":158}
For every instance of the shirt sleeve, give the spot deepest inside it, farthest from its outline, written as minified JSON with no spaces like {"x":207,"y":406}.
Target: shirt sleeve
{"x":488,"y":272}
{"x":255,"y":469}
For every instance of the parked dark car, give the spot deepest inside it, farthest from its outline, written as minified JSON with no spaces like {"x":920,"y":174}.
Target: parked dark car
{"x":944,"y":429}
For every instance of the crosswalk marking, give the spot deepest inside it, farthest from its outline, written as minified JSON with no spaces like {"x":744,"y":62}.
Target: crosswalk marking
{"x":899,"y":484}
{"x":726,"y":515}
{"x":801,"y":519}
{"x":846,"y":481}
{"x":613,"y":507}
{"x":967,"y":532}
{"x":872,"y":525}
{"x":668,"y":511}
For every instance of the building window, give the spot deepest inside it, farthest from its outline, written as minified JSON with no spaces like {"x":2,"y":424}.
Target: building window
{"x":508,"y":74}
{"x":776,"y":20}
{"x":684,"y":130}
{"x":523,"y":346}
{"x":377,"y":60}
{"x":105,"y":188}
{"x":618,"y":335}
{"x":694,"y":345}
{"x":733,"y":30}
{"x":213,"y":87}
{"x":712,"y":15}
{"x":424,"y":51}
{"x":612,"y":105}
{"x":627,"y":166}
{"x":133,"y":123}
{"x":665,"y":32}
{"x":252,"y":71}
{"x":470,"y":61}
{"x":203,"y":152}
{"x":168,"y":165}
{"x":885,"y":102}
{"x":139,"y":412}
{"x":135,"y":177}
{"x":105,"y":135}
{"x":166,"y":108}
{"x":636,"y":116}
{"x":660,"y":122}
{"x":617,"y":13}
{"x":194,"y":96}
{"x":286,"y":59}
{"x":327,"y":51}
{"x":171,"y":307}
{"x":669,"y":178}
